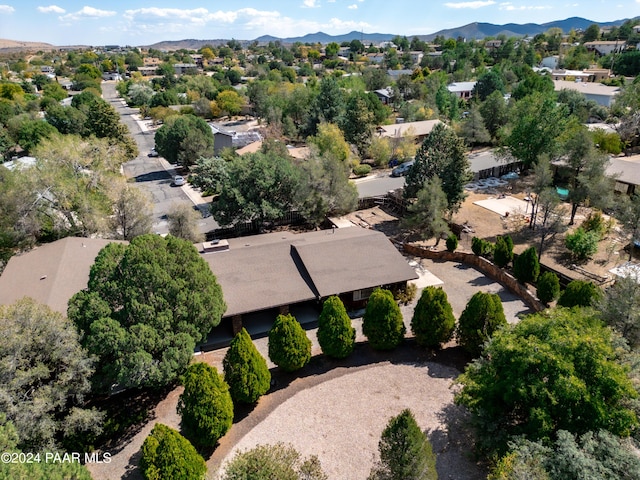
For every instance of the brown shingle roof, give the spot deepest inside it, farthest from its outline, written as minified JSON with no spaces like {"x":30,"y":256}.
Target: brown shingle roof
{"x":52,"y":273}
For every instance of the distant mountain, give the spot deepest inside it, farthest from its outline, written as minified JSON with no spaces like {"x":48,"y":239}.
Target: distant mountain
{"x":7,"y":46}
{"x":324,"y":38}
{"x":478,"y":30}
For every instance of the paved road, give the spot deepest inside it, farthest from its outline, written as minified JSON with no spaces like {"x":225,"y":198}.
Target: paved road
{"x":152,"y":174}
{"x":378,"y":184}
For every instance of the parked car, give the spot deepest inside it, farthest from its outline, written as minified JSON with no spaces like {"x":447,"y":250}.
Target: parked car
{"x":179,"y":180}
{"x":152,"y":153}
{"x":402,"y":169}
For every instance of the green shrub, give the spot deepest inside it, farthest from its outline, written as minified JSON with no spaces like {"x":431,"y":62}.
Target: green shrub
{"x":361,"y":170}
{"x":548,"y":287}
{"x":205,"y":405}
{"x":503,"y":251}
{"x":289,"y":346}
{"x":582,"y":244}
{"x":245,"y":370}
{"x":273,"y":462}
{"x":433,"y":322}
{"x":579,"y":293}
{"x":482,"y":316}
{"x":526,"y":266}
{"x":595,"y":222}
{"x":405,"y":451}
{"x":382,"y":323}
{"x":452,"y":242}
{"x":335,"y":334}
{"x":167,"y":454}
{"x":481,"y":247}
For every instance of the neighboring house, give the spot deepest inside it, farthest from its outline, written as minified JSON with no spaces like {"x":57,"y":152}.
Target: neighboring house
{"x":147,"y":71}
{"x":487,"y":164}
{"x":184,"y":68}
{"x":376,"y":58}
{"x":599,"y":93}
{"x":256,"y":273}
{"x":385,"y":95}
{"x":626,"y":171}
{"x":416,"y":56}
{"x":570,"y":75}
{"x":605,"y":47}
{"x":418,"y":130}
{"x":396,"y":74}
{"x":462,"y":89}
{"x":550,"y":62}
{"x":491,"y":45}
{"x":276,"y":270}
{"x":52,"y":273}
{"x":222,"y":139}
{"x":47,"y":69}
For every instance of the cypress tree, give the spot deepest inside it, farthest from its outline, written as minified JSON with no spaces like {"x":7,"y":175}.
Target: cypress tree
{"x":205,"y":405}
{"x":579,"y":293}
{"x":433,"y":322}
{"x":289,"y":346}
{"x":482,"y":316}
{"x":335,"y":334}
{"x":167,"y":454}
{"x":548,"y":287}
{"x":503,"y":251}
{"x":382,"y":323}
{"x":526,"y":266}
{"x":245,"y":370}
{"x":405,"y":451}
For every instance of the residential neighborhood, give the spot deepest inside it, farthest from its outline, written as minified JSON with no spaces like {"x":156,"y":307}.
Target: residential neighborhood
{"x":406,"y":257}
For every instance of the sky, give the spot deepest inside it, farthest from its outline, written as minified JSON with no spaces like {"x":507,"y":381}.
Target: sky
{"x":144,"y":22}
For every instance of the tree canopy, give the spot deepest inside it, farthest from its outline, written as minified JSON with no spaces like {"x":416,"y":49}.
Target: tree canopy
{"x":44,"y":376}
{"x":433,"y":322}
{"x":183,"y":139}
{"x":441,"y":154}
{"x":552,"y":371}
{"x":289,"y":346}
{"x":146,"y":306}
{"x":335,"y":334}
{"x":382,"y":323}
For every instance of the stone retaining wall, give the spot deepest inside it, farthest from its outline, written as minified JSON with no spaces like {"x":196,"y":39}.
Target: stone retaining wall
{"x":482,"y":264}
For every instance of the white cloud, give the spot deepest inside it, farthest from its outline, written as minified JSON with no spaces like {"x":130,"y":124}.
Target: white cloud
{"x":509,"y":7}
{"x":476,"y":4}
{"x":310,"y":4}
{"x":6,"y":9}
{"x":87,"y":12}
{"x":353,"y":7}
{"x":51,"y":9}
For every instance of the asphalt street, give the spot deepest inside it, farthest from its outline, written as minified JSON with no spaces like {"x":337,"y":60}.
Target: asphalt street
{"x":153,"y":174}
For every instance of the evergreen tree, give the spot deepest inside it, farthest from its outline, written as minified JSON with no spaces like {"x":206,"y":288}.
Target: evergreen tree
{"x":452,"y":242}
{"x":289,"y":347}
{"x":167,"y":454}
{"x":548,"y":287}
{"x":526,"y":266}
{"x":245,"y":370}
{"x":405,"y":452}
{"x":482,"y":316}
{"x":205,"y":405}
{"x":335,"y":334}
{"x":579,"y":293}
{"x":442,"y":154}
{"x":503,"y":251}
{"x":433,"y":322}
{"x":426,"y":214}
{"x":382,"y":323}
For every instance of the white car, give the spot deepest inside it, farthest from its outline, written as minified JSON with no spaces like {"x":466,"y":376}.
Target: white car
{"x":179,"y":180}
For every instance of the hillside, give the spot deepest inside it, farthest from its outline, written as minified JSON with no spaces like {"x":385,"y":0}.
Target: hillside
{"x":13,"y":45}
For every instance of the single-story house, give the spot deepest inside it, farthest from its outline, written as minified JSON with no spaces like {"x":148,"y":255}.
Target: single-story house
{"x":185,"y":68}
{"x":256,"y":273}
{"x":277,"y":270}
{"x":487,"y":164}
{"x":385,"y":95}
{"x":222,"y":138}
{"x":52,"y":273}
{"x":605,"y":47}
{"x":626,"y":171}
{"x":462,"y":89}
{"x":599,"y":93}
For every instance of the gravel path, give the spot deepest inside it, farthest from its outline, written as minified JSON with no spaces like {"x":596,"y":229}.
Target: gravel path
{"x":341,"y":420}
{"x":338,"y":413}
